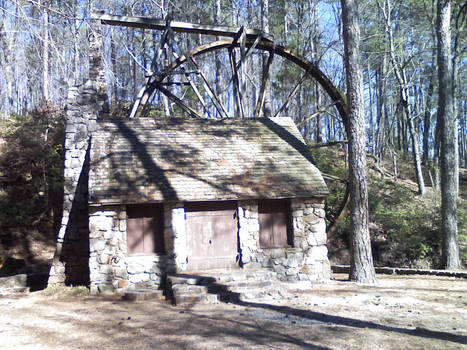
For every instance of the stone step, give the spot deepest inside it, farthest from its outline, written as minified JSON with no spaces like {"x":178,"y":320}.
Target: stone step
{"x":252,"y":293}
{"x":228,"y":286}
{"x":143,"y":294}
{"x":189,"y":289}
{"x":248,"y":285}
{"x":190,"y":279}
{"x":208,"y":277}
{"x":255,"y":275}
{"x":192,"y":299}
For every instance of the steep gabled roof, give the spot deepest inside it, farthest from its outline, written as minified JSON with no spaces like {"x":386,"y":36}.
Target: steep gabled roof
{"x":147,"y":160}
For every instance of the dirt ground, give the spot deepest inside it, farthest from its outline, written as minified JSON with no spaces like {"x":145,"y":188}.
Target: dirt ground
{"x":399,"y":313}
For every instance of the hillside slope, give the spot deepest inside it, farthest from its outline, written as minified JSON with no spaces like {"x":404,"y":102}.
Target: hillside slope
{"x":404,"y":226}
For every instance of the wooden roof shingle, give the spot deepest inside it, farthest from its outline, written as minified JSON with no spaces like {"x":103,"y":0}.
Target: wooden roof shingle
{"x":146,"y":160}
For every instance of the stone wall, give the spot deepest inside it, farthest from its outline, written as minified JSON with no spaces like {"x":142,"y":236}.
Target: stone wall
{"x":248,"y":234}
{"x":306,"y":260}
{"x":175,"y":236}
{"x":113,"y":270}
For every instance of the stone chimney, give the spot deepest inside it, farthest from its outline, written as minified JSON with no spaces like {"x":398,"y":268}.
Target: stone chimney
{"x":85,"y":104}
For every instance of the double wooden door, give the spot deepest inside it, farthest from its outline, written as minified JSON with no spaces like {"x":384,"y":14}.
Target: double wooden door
{"x":211,"y":231}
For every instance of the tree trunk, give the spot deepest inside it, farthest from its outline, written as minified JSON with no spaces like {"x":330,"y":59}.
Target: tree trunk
{"x":449,"y":150}
{"x":371,"y":136}
{"x":427,"y":112}
{"x":45,"y":53}
{"x":361,"y":263}
{"x":381,"y":109}
{"x":267,"y":111}
{"x":416,"y":151}
{"x":315,"y":57}
{"x":217,"y":57}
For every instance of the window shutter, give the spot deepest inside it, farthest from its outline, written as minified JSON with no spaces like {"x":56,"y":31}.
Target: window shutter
{"x":273,"y":223}
{"x":145,"y":229}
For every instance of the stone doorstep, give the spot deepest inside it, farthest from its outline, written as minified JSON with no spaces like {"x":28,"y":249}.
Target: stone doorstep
{"x":210,"y":286}
{"x":190,"y":299}
{"x":238,"y":287}
{"x":143,"y":294}
{"x":250,"y":276}
{"x":190,"y":279}
{"x":224,"y":276}
{"x":189,"y":288}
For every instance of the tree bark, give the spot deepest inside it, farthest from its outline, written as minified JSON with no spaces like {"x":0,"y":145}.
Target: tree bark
{"x":217,"y":20}
{"x":361,"y":263}
{"x":381,"y":139}
{"x":267,"y":111}
{"x":45,"y":53}
{"x":449,"y":150}
{"x":315,"y":57}
{"x":428,"y":106}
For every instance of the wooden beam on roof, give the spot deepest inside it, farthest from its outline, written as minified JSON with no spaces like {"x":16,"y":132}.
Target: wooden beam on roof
{"x":183,"y":27}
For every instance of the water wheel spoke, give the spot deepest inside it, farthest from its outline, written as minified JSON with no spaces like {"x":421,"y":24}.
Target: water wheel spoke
{"x":264,"y":82}
{"x":210,"y":91}
{"x":236,"y":84}
{"x":291,"y":95}
{"x":249,"y":51}
{"x":178,"y":101}
{"x":193,"y":86}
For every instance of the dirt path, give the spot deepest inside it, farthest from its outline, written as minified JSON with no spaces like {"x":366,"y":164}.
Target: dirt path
{"x":399,"y":313}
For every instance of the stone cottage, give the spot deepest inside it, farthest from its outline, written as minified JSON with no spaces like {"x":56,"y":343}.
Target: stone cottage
{"x":177,"y":195}
{"x":144,"y":198}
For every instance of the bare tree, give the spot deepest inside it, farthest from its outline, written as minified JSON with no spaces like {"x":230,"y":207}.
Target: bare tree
{"x":402,"y":79}
{"x":449,"y":147}
{"x":45,"y":50}
{"x":361,"y":263}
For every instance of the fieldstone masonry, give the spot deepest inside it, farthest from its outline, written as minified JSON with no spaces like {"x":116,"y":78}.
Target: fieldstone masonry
{"x":306,"y":260}
{"x":85,"y":103}
{"x":113,"y":270}
{"x":175,"y":236}
{"x":248,"y":233}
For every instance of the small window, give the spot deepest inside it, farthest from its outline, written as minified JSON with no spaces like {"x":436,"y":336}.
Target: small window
{"x":145,"y":229}
{"x":274,"y":229}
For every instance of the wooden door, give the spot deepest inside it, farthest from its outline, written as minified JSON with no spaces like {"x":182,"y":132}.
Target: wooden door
{"x":211,"y":229}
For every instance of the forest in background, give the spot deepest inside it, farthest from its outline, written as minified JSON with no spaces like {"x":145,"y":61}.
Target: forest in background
{"x":44,"y":51}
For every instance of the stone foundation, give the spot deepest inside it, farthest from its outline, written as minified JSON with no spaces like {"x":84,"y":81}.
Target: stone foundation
{"x":113,"y":270}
